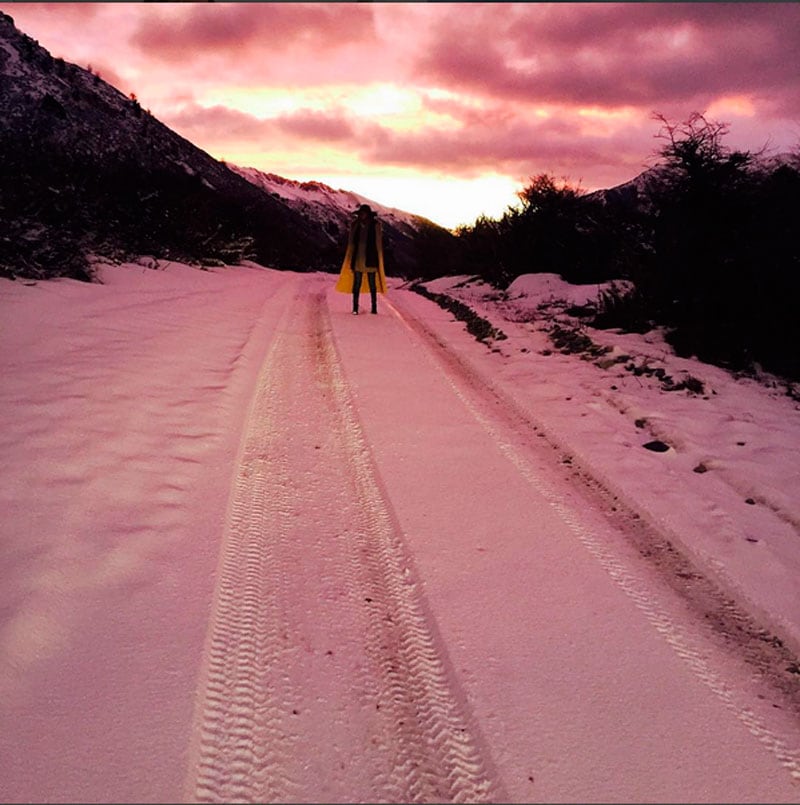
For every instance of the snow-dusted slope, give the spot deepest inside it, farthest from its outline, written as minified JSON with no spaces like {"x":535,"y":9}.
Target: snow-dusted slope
{"x":331,"y":211}
{"x":330,"y":207}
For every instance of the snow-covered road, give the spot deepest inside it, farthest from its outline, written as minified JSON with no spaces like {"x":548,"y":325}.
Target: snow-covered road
{"x":323,"y":679}
{"x":258,"y":549}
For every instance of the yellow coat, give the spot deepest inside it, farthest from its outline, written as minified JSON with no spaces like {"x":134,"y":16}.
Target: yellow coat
{"x":345,"y":281}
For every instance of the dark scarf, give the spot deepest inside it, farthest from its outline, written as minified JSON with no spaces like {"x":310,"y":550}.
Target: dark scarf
{"x":371,"y":254}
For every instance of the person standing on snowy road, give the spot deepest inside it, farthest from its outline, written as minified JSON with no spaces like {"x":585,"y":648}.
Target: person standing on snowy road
{"x":364,"y":255}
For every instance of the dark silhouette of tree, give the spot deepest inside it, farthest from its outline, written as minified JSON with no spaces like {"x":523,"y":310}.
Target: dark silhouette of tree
{"x":556,"y":228}
{"x":436,"y":253}
{"x":482,"y":251}
{"x":720,"y":269}
{"x":710,"y":244}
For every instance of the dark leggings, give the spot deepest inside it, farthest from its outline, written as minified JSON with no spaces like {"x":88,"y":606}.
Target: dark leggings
{"x":373,"y":290}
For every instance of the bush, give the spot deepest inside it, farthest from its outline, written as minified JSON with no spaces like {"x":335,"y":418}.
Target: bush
{"x":624,"y":309}
{"x":724,"y":275}
{"x":477,"y":326}
{"x":555,"y":229}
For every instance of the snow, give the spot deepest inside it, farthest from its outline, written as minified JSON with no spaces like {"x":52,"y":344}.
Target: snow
{"x":551,"y":289}
{"x":171,"y":458}
{"x":115,"y":459}
{"x":744,"y":433}
{"x":321,"y":197}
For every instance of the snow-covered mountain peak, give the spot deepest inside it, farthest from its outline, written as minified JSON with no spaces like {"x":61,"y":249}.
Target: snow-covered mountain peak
{"x":324,"y":202}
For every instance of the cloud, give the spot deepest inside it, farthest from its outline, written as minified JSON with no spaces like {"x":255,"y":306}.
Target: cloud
{"x":313,"y":125}
{"x":456,"y":90}
{"x":234,"y":29}
{"x":217,"y":124}
{"x":561,"y":144}
{"x":220,"y":124}
{"x":622,"y":54}
{"x":79,"y":12}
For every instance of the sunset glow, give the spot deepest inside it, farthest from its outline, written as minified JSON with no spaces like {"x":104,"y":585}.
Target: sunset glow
{"x":443,"y":109}
{"x":739,"y":105}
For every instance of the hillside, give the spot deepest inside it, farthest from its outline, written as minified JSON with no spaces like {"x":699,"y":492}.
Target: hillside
{"x":406,"y":236}
{"x":86,"y":169}
{"x":634,"y":194}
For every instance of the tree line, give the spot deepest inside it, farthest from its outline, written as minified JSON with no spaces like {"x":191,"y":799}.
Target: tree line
{"x":709,"y":242}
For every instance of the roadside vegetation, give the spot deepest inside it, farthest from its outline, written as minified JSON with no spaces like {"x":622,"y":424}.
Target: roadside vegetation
{"x":708,"y":240}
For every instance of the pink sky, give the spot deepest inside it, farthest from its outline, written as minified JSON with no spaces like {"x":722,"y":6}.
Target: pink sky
{"x":444,"y":109}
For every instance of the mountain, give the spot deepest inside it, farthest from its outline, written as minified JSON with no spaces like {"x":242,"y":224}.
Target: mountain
{"x":331,"y":207}
{"x":406,"y":236}
{"x":86,"y":169}
{"x":628,"y":194}
{"x":634,"y":193}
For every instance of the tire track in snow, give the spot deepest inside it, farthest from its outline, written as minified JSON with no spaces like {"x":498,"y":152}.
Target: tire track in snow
{"x":467,"y":387}
{"x":244,"y":687}
{"x":304,"y":568}
{"x":438,"y":755}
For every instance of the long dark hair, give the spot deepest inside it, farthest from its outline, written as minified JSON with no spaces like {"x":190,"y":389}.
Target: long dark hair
{"x":371,"y":255}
